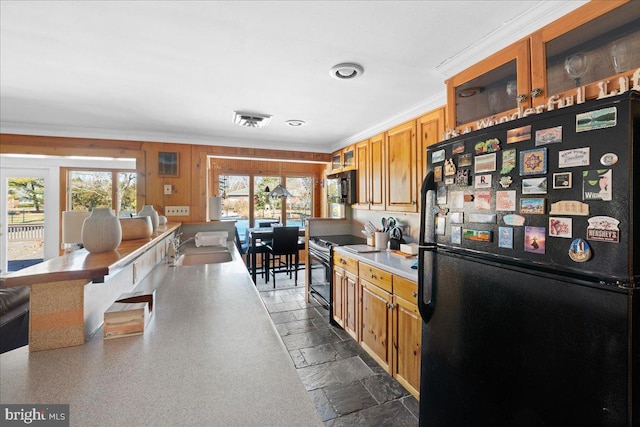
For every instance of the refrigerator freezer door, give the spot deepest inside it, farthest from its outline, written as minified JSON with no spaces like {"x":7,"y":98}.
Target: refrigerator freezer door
{"x":504,"y":347}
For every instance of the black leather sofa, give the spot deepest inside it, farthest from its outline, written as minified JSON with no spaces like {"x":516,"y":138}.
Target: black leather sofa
{"x":14,"y":318}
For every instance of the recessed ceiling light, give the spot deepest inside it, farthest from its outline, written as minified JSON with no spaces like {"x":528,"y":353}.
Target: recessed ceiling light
{"x":296,"y":123}
{"x":346,"y":71}
{"x":251,"y":120}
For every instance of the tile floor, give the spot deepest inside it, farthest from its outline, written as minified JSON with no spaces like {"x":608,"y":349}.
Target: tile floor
{"x":348,"y":387}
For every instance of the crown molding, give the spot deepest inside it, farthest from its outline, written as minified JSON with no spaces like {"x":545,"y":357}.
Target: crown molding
{"x":418,"y":109}
{"x":160,"y":137}
{"x":511,"y":31}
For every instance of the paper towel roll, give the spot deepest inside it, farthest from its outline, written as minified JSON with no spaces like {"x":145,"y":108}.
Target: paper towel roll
{"x":215,"y":208}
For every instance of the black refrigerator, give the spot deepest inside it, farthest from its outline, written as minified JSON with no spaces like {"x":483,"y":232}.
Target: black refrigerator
{"x":529,"y":271}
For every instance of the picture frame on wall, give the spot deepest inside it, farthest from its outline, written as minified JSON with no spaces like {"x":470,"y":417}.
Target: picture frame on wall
{"x":167,"y":163}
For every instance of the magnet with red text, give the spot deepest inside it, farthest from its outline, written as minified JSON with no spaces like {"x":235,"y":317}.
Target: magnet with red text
{"x":603,"y":229}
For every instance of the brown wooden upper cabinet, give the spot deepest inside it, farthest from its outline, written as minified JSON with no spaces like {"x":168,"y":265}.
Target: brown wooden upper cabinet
{"x":429,"y":131}
{"x":370,"y":165}
{"x":344,"y":159}
{"x":597,"y":42}
{"x":402,"y":168}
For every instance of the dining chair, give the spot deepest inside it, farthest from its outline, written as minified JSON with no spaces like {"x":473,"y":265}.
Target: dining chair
{"x":283,"y":244}
{"x":246,"y":249}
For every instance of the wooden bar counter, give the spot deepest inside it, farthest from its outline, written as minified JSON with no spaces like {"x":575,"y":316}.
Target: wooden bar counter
{"x":70,"y":293}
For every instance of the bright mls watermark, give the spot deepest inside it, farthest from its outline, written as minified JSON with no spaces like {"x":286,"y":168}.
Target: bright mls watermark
{"x":36,"y":415}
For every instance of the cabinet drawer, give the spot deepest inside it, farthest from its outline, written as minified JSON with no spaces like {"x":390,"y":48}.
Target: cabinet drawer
{"x":405,"y":288}
{"x":376,"y":276}
{"x":343,"y":261}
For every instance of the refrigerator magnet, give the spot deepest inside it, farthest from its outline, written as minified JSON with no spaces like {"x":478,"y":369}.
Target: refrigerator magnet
{"x":477,"y":235}
{"x":457,"y":199}
{"x":535,"y":239}
{"x":518,"y":134}
{"x":449,"y":167}
{"x":533,"y":162}
{"x":482,"y":218}
{"x":437,"y":173}
{"x":458,"y":147}
{"x":506,"y":200}
{"x":569,"y":207}
{"x":482,"y":200}
{"x":562,"y":180}
{"x":483,"y":181}
{"x":534,"y":186}
{"x":441,"y":195}
{"x":560,"y":227}
{"x":579,"y":250}
{"x":603,"y":229}
{"x":465,"y":159}
{"x":456,"y":235}
{"x":440,"y":225}
{"x":573,"y":158}
{"x":505,"y":181}
{"x":437,"y":156}
{"x":532,"y":206}
{"x":505,"y":237}
{"x":457,"y":217}
{"x":508,"y":161}
{"x":596,"y":185}
{"x":597,"y":119}
{"x":485,"y":163}
{"x":609,"y":159}
{"x":489,"y":146}
{"x":549,"y":136}
{"x":463,"y":177}
{"x":513,"y":219}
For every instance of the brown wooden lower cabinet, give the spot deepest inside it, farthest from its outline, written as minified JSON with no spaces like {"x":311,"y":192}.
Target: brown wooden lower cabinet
{"x":379,"y":310}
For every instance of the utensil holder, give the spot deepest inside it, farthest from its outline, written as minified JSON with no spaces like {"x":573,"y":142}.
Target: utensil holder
{"x":381,"y":240}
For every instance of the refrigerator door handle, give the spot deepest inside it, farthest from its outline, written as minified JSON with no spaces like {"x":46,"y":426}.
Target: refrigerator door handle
{"x":427,"y":252}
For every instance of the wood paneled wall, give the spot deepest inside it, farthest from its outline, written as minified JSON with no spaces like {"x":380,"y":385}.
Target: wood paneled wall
{"x":189,"y":187}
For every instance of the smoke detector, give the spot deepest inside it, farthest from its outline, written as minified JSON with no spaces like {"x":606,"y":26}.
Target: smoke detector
{"x":346,"y":71}
{"x":251,"y":120}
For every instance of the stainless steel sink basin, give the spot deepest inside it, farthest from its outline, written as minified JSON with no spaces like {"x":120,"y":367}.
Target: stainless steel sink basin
{"x":198,"y":258}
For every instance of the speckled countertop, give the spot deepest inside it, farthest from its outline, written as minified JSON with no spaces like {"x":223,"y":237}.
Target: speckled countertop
{"x":210,"y":355}
{"x":385,"y":260}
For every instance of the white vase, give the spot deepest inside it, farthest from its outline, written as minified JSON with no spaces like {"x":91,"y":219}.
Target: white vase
{"x":101,"y":231}
{"x":148,"y":210}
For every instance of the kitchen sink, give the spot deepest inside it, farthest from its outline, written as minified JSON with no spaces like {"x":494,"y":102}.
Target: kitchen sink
{"x":201,"y":257}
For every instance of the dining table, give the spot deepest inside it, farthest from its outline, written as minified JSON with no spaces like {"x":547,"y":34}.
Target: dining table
{"x":257,"y":235}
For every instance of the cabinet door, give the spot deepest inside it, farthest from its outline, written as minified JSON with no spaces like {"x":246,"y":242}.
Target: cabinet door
{"x":363,"y":176}
{"x":430,"y":128}
{"x":376,"y":323}
{"x":351,"y":305}
{"x":349,"y":158}
{"x":376,"y":170}
{"x":490,"y":87}
{"x":407,"y":336}
{"x":402,"y":166}
{"x":337,"y":302}
{"x":336,"y":161}
{"x":600,"y":39}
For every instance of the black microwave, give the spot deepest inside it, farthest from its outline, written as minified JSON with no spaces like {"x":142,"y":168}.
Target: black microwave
{"x":342,"y":187}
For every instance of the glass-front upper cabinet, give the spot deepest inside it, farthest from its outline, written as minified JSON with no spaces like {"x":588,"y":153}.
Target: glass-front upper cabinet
{"x":490,"y":87}
{"x":597,"y":42}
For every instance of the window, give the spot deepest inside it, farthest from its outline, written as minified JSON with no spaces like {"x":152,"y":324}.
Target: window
{"x":234,"y":190}
{"x":299,"y":206}
{"x":90,"y":189}
{"x":266,"y":209}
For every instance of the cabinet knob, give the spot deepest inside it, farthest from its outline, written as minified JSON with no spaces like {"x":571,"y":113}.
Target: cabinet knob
{"x":343,"y":261}
{"x":415,"y":294}
{"x":521,"y":98}
{"x":536,"y":92}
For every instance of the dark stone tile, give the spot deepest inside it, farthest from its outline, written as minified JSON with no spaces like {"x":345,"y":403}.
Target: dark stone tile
{"x":290,"y":297}
{"x":298,"y":359}
{"x":347,"y":349}
{"x":282,"y":329}
{"x":388,"y":414}
{"x":306,"y":313}
{"x":283,"y":306}
{"x":319,"y":354}
{"x":297,"y":341}
{"x":412,"y":404}
{"x":351,"y":369}
{"x":318,"y":376}
{"x":384,"y":388}
{"x":350,"y":397}
{"x":371,"y":363}
{"x":299,"y":326}
{"x":322,"y":405}
{"x":321,"y":321}
{"x":283,"y":317}
{"x":323,"y":336}
{"x":344,"y":336}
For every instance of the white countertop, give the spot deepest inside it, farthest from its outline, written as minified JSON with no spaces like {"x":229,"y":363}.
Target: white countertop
{"x":210,"y":355}
{"x":386,"y":260}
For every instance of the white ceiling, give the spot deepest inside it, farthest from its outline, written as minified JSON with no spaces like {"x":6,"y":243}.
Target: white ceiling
{"x":173,"y":71}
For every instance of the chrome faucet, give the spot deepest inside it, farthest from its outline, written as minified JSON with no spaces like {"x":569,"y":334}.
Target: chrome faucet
{"x":175,"y":247}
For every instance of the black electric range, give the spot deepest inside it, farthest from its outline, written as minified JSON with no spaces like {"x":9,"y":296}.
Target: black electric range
{"x":320,"y":254}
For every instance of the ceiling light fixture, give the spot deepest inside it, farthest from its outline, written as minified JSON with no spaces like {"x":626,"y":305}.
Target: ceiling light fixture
{"x":296,"y":123}
{"x":346,"y":71}
{"x":251,"y":120}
